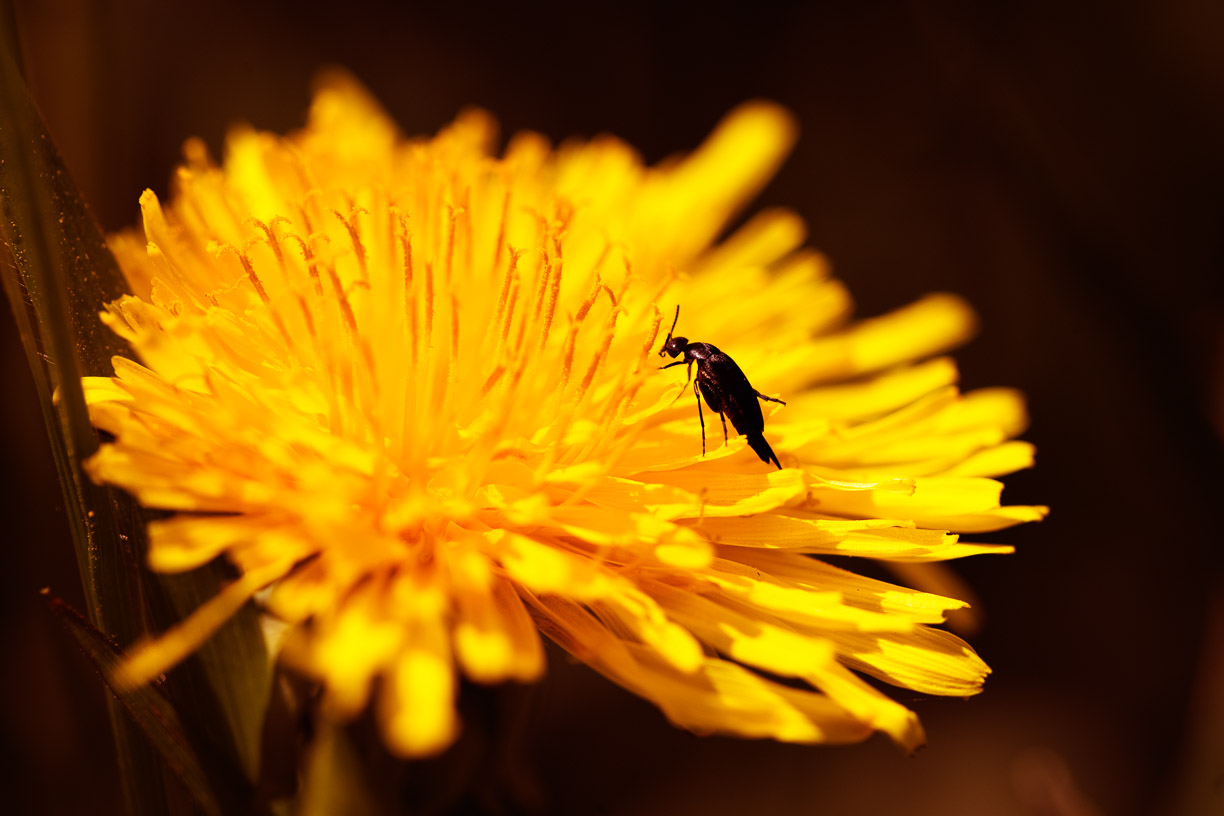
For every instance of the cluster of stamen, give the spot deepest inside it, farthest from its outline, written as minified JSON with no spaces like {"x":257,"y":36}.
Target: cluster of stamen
{"x":454,"y":378}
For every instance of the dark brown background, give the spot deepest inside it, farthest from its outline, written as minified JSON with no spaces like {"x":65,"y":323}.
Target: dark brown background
{"x":1061,"y":168}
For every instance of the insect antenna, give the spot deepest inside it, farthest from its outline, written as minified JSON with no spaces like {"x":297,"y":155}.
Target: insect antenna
{"x":673,"y":328}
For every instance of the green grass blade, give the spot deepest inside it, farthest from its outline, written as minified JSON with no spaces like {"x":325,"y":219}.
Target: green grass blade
{"x":158,"y":720}
{"x":52,"y":239}
{"x":233,"y":666}
{"x":57,"y":272}
{"x":334,"y":779}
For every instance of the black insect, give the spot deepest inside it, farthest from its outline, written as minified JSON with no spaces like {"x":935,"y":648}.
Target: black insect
{"x":725,"y":388}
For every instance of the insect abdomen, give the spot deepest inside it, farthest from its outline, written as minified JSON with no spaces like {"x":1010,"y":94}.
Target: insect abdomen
{"x":758,"y":444}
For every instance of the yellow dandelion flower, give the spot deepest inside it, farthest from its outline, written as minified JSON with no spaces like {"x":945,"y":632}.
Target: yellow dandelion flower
{"x":412,"y":389}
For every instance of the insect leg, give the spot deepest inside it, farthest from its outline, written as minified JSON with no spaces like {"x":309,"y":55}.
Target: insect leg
{"x":762,"y":396}
{"x":688,"y":378}
{"x":724,"y":419}
{"x":701,"y":417}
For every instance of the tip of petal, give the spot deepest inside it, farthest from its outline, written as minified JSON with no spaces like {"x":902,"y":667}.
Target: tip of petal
{"x":140,"y":667}
{"x":762,"y":118}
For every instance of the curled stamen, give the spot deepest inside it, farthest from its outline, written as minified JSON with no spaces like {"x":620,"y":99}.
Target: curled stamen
{"x":350,"y":224}
{"x":221,"y":248}
{"x":653,"y":335}
{"x":311,"y":264}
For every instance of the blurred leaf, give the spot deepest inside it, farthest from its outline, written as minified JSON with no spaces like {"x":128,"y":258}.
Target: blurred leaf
{"x":149,"y":709}
{"x":57,"y":273}
{"x":37,"y":244}
{"x":282,"y":741}
{"x":234,"y":663}
{"x":53,"y":240}
{"x":333,"y":778}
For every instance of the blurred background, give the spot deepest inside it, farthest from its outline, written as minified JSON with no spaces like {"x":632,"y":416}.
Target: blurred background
{"x":1059,"y":166}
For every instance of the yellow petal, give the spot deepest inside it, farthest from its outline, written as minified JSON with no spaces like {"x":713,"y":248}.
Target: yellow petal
{"x":778,"y":601}
{"x":929,"y":326}
{"x":494,"y":637}
{"x":873,"y":538}
{"x":734,"y":493}
{"x":720,"y":697}
{"x":148,"y":659}
{"x":949,"y":503}
{"x":860,"y":699}
{"x":856,"y":590}
{"x":930,"y":661}
{"x":642,"y":617}
{"x":186,"y":542}
{"x":417,"y":704}
{"x":767,"y":236}
{"x":348,"y":649}
{"x":997,"y":461}
{"x":548,"y":569}
{"x":735,"y":161}
{"x":728,"y":699}
{"x":749,"y":639}
{"x":877,"y":395}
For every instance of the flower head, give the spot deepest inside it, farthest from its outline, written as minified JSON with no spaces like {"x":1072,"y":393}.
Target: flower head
{"x":412,"y":388}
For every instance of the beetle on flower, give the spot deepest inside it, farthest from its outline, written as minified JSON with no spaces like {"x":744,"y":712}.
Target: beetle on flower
{"x":726,"y":391}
